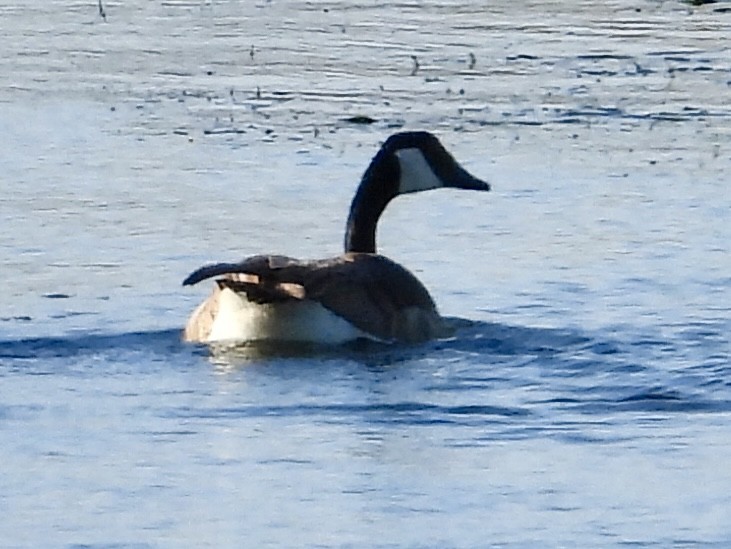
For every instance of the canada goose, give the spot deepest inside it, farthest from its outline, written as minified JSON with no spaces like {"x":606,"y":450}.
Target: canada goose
{"x":359,"y":294}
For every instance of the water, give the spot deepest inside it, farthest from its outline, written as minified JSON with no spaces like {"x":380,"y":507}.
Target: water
{"x":585,"y":404}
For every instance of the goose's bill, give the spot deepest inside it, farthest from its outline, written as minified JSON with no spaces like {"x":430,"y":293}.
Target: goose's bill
{"x":465,"y":180}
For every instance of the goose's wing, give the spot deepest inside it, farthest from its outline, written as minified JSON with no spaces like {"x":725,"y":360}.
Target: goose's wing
{"x":370,"y":291}
{"x":263,"y":278}
{"x":263,"y":266}
{"x":376,"y":295}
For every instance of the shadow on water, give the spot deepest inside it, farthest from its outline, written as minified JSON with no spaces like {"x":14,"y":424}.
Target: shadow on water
{"x":471,"y":337}
{"x":161,"y":342}
{"x":569,"y":369}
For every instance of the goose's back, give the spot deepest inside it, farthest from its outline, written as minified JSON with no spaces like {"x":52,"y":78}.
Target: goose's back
{"x":376,"y":295}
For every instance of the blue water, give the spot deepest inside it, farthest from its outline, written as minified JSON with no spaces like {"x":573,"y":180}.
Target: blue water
{"x":505,"y":435}
{"x":585,"y":400}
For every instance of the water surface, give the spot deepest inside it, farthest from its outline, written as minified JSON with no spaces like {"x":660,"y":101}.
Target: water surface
{"x":585,"y":404}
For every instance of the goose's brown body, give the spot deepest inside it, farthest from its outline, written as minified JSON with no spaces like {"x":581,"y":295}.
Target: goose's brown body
{"x":375,"y":295}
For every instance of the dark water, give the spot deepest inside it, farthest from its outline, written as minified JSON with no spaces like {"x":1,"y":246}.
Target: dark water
{"x":586,"y":400}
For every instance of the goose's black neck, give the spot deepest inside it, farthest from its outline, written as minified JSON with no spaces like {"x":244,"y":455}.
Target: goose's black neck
{"x":378,"y":186}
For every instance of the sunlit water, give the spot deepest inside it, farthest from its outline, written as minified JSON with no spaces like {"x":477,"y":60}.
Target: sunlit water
{"x":587,"y":400}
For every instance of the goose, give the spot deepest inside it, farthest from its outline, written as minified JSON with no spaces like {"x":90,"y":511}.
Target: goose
{"x":357,"y":295}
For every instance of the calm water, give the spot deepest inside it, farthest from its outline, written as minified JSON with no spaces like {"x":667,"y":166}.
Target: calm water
{"x":587,"y":403}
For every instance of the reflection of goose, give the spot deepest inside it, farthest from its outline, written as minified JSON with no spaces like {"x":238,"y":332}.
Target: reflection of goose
{"x":356,"y":295}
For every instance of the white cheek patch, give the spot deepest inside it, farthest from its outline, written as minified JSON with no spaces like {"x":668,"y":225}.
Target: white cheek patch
{"x":416,"y":174}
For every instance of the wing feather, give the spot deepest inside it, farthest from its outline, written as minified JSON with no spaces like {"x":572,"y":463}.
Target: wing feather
{"x":370,"y":291}
{"x":260,"y":265}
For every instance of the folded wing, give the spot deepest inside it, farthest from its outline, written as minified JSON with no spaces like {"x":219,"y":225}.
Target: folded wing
{"x":370,"y":291}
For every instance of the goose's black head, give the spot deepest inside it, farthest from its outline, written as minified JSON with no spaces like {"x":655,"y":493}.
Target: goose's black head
{"x":407,"y":162}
